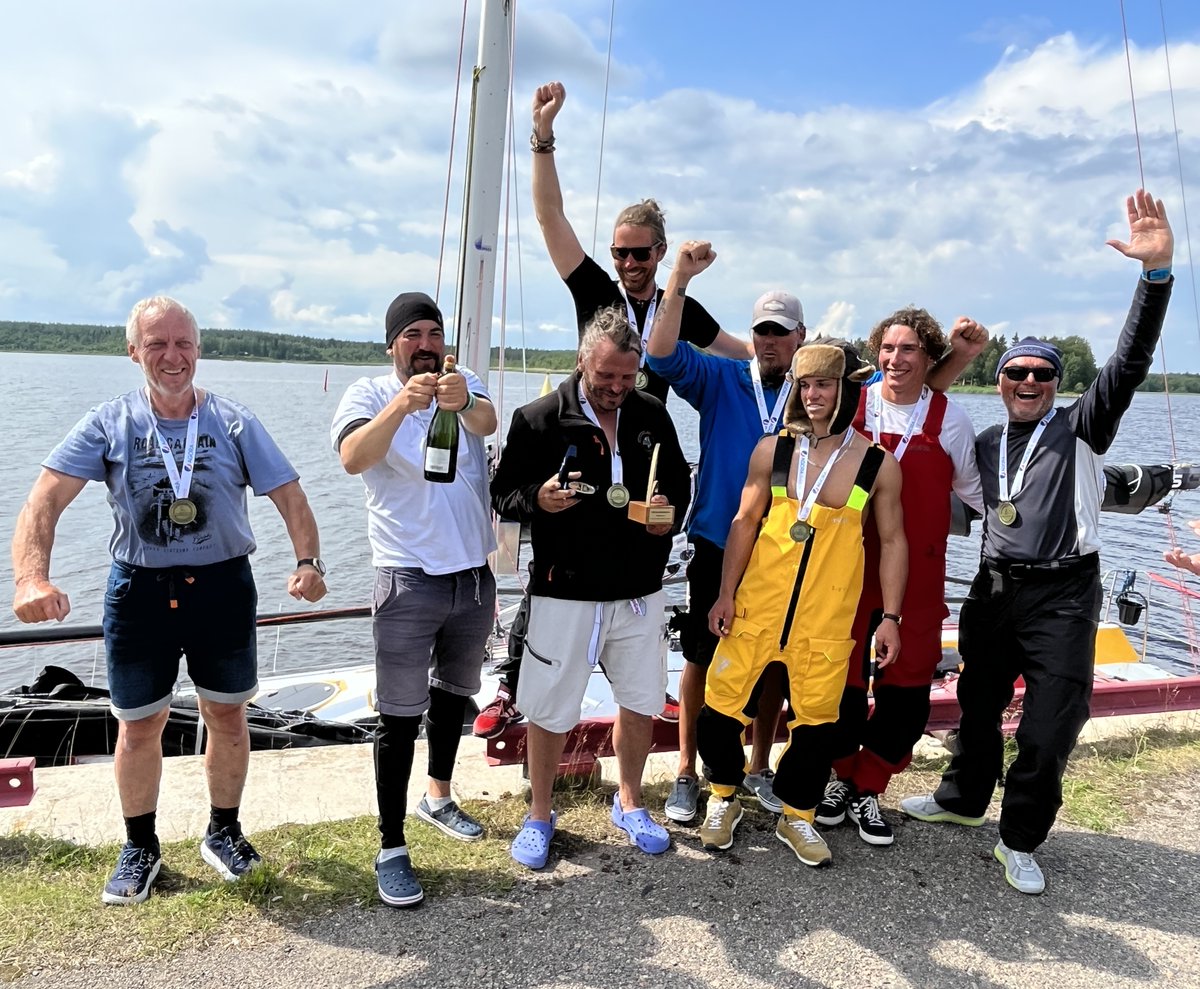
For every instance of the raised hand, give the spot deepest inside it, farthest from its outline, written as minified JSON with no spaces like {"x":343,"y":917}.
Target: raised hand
{"x":694,"y":256}
{"x":968,"y":337}
{"x":548,"y":99}
{"x":1150,"y":237}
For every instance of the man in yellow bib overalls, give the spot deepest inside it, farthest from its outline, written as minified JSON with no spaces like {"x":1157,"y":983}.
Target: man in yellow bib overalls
{"x":790,"y":585}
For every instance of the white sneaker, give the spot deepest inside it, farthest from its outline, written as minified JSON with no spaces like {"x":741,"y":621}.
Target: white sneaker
{"x":1020,"y":869}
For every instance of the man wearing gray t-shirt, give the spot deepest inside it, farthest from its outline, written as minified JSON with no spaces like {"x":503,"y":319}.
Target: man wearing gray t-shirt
{"x":176,"y":460}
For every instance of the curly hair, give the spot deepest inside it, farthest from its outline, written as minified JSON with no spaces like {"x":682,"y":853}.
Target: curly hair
{"x":928,"y":330}
{"x":610,"y":324}
{"x":647,"y":213}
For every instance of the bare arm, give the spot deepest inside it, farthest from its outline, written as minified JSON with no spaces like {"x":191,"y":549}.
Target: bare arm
{"x":967,"y":340}
{"x":756,"y":496}
{"x":694,"y":257}
{"x":893,"y":557}
{"x":369,"y":444}
{"x":36,"y":598}
{"x":566,"y":253}
{"x":304,"y":582}
{"x":727,"y":345}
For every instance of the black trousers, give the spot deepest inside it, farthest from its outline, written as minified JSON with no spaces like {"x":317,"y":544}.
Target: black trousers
{"x":1041,"y":627}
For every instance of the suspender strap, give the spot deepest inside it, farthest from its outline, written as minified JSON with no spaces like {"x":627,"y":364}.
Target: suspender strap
{"x":781,"y":466}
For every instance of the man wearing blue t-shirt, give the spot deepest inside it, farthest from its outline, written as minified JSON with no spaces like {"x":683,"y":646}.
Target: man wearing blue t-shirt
{"x":176,"y":460}
{"x":739,"y":402}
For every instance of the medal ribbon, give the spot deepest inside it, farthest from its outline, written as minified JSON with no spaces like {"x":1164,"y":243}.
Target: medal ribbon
{"x":802,"y":469}
{"x":618,"y":469}
{"x":768,"y":421}
{"x":1019,"y":478}
{"x":632,"y":315}
{"x":916,"y":418}
{"x":181,"y":482}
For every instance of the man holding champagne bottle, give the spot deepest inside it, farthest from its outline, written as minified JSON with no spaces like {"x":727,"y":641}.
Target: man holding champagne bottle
{"x":429,"y":525}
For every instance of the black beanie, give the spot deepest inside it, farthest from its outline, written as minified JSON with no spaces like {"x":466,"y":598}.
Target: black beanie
{"x":406,"y":309}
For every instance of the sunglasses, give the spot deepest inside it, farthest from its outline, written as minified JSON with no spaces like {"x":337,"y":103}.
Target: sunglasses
{"x":1040,"y":374}
{"x":639,"y":253}
{"x":771,"y":330}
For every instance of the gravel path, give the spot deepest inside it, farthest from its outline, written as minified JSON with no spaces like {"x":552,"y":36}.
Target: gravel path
{"x":931,"y":911}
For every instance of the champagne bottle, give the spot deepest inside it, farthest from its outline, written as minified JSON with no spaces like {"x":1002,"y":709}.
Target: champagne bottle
{"x":441,"y":442}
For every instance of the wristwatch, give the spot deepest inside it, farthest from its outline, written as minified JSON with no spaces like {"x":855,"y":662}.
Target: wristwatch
{"x":312,"y":561}
{"x":895,"y":618}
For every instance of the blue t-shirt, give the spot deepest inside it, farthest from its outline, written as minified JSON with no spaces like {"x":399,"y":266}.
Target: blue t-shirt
{"x":722,"y":392}
{"x":116,"y":443}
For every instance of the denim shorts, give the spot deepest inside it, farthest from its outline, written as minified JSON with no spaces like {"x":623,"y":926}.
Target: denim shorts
{"x":430,"y":630}
{"x":154,"y":615}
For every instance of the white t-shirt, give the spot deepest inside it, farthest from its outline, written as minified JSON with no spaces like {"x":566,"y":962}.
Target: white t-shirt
{"x":957,"y":439}
{"x":412,"y":522}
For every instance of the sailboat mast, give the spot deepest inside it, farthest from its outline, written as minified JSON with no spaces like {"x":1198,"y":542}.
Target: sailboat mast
{"x":485,"y":170}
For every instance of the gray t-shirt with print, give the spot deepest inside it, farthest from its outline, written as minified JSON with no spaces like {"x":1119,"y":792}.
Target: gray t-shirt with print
{"x":116,"y":443}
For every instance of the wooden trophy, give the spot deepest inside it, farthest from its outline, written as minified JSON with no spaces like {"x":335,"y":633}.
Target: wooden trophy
{"x":645,"y":513}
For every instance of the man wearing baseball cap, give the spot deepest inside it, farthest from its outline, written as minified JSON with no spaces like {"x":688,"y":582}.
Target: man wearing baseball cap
{"x":739,"y":402}
{"x":1033,"y":607}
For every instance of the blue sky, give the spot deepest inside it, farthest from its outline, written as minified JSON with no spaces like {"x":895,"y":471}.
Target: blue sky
{"x":282,"y":166}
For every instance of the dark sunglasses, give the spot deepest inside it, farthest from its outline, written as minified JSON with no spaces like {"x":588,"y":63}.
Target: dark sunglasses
{"x":639,"y":253}
{"x":1040,"y":374}
{"x":771,"y":330}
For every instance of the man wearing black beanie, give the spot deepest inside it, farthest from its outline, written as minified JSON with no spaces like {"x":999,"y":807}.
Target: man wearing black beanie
{"x":434,"y":597}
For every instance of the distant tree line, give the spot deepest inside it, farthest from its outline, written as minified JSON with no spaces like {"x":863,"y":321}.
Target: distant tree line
{"x":1079,"y":365}
{"x":75,"y":338}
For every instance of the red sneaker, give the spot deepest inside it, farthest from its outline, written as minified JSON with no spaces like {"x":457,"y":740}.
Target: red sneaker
{"x":670,"y":711}
{"x":497,"y":716}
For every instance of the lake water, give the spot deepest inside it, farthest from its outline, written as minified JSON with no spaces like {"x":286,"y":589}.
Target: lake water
{"x":43,"y":395}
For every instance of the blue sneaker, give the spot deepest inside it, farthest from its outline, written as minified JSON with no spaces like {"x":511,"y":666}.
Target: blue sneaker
{"x":229,"y":852}
{"x":398,"y":884}
{"x":136,"y":870}
{"x":451,"y":820}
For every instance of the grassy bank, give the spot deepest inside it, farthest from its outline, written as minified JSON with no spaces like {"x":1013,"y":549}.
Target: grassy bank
{"x":49,"y":889}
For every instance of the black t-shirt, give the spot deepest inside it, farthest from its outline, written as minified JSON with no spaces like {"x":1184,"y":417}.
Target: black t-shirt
{"x":593,"y":289}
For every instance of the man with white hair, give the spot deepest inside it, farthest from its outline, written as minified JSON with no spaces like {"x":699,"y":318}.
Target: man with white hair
{"x":176,"y":460}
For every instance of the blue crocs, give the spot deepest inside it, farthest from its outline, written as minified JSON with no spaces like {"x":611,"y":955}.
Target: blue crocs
{"x":651,"y":838}
{"x":531,"y":846}
{"x":398,"y":884}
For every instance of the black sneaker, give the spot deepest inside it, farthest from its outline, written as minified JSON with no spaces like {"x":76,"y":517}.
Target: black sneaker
{"x":136,"y":870}
{"x":832,"y":808}
{"x":229,"y":852}
{"x":872,"y":828}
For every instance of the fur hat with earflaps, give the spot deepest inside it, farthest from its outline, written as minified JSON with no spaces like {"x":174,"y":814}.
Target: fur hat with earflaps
{"x":824,"y":359}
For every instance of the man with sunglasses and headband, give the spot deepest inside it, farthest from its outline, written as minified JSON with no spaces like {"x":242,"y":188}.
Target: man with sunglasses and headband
{"x":739,"y":402}
{"x":1033,"y":607}
{"x":639,"y":244}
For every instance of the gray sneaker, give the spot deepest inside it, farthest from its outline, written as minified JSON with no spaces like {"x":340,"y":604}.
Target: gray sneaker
{"x":924,"y":808}
{"x":1020,"y":869}
{"x":762,"y":787}
{"x":681,"y":804}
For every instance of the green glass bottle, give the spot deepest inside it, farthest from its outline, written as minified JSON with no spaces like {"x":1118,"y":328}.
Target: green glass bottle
{"x":441,"y":442}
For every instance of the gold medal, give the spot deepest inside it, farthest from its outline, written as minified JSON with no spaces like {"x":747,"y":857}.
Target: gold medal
{"x":1007,"y":512}
{"x":800,"y":532}
{"x":618,"y":496}
{"x":182,"y":511}
{"x":581,"y":487}
{"x":641,"y":380}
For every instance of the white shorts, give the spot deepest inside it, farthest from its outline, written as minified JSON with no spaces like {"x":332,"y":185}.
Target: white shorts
{"x":567,"y":639}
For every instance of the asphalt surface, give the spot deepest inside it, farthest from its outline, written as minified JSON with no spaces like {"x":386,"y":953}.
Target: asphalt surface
{"x":933,"y":910}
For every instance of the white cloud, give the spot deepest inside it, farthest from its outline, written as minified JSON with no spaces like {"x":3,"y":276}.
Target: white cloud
{"x":284,"y":167}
